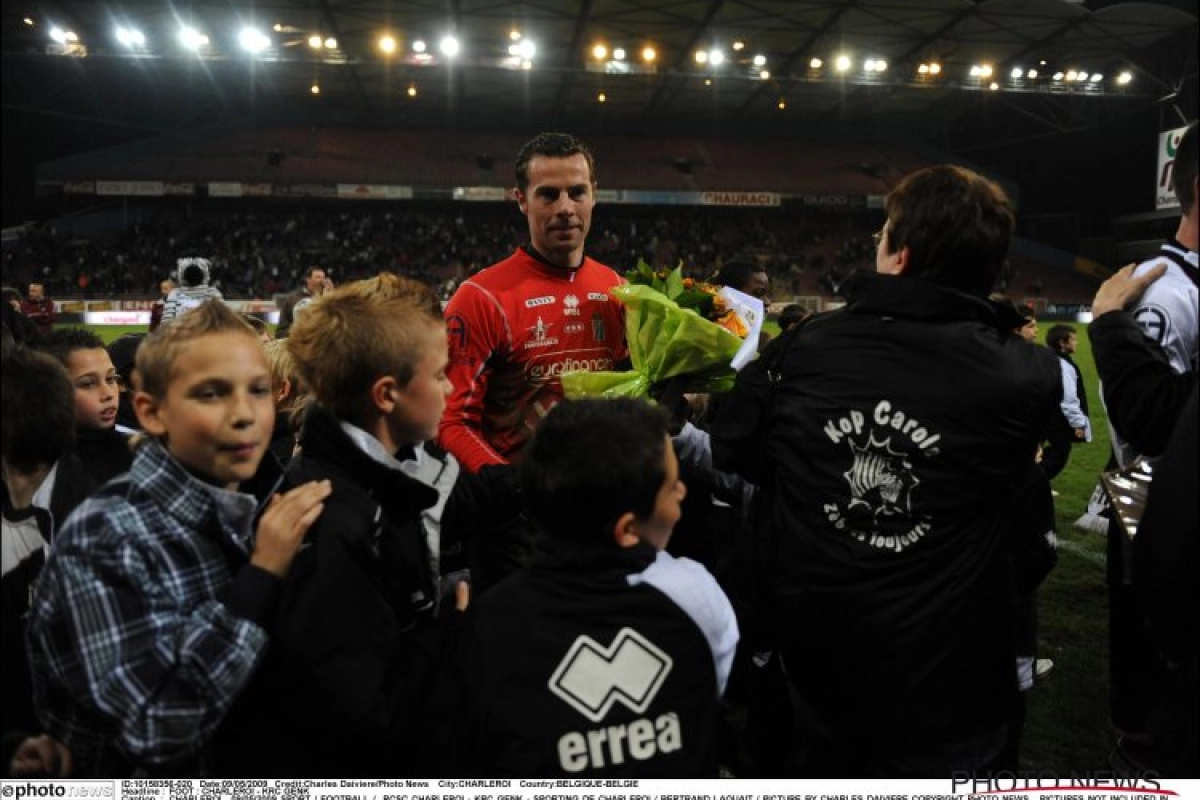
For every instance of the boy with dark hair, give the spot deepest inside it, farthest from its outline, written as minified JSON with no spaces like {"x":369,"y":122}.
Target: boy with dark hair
{"x":343,"y":689}
{"x":103,"y":449}
{"x":152,"y":610}
{"x":40,"y":473}
{"x":605,"y":656}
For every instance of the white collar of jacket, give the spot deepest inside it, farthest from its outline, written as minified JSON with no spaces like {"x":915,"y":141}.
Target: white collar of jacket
{"x":375,"y":450}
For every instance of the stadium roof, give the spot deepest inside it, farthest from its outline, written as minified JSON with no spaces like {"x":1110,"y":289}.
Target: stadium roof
{"x":161,"y":85}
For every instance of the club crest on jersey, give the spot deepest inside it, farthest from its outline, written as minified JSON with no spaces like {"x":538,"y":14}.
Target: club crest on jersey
{"x":570,"y":306}
{"x":540,"y":335}
{"x":880,"y":480}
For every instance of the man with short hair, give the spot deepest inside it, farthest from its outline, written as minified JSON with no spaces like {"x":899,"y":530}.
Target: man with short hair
{"x":1072,"y":425}
{"x":1167,"y":313}
{"x":888,"y":569}
{"x":316,"y":283}
{"x":518,"y":325}
{"x":39,"y":308}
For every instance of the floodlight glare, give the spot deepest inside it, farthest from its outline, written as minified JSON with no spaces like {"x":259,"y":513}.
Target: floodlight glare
{"x":976,"y":70}
{"x":993,"y":86}
{"x":739,"y":45}
{"x":1096,"y":77}
{"x":602,"y":98}
{"x":923,"y":69}
{"x":842,"y":64}
{"x":1033,"y":73}
{"x":815,"y":63}
{"x":781,"y":105}
{"x":1058,"y":76}
{"x":254,"y":41}
{"x":412,"y":91}
{"x":192,"y":38}
{"x":619,"y":54}
{"x":701,"y":57}
{"x":449,"y":46}
{"x":330,"y":43}
{"x":986,"y":70}
{"x":58,"y":34}
{"x":419,"y":46}
{"x":716,"y":58}
{"x":314,"y":42}
{"x":764,"y":75}
{"x":599,"y":52}
{"x":935,"y":68}
{"x":648,"y":54}
{"x":708,"y":81}
{"x":1082,"y":76}
{"x":131,"y":37}
{"x":880,"y":65}
{"x":1072,"y":74}
{"x":1017,"y":72}
{"x":315,"y":89}
{"x":27,"y":21}
{"x":760,"y":60}
{"x":869,"y":65}
{"x":514,"y":35}
{"x":527,"y":64}
{"x":1124,"y":78}
{"x":387,"y":44}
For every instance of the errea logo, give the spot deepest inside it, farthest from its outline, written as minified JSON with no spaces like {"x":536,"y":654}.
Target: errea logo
{"x":591,"y":678}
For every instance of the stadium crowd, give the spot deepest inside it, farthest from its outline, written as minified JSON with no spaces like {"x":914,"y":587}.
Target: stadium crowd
{"x":442,"y":567}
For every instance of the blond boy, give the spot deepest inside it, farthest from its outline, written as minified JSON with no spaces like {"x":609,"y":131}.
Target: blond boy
{"x":154,"y":604}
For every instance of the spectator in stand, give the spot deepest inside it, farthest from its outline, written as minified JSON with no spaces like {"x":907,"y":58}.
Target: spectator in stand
{"x":519,"y":324}
{"x":891,"y":580}
{"x":156,"y":310}
{"x":316,"y":283}
{"x":193,"y":291}
{"x":38,"y":307}
{"x":19,"y":327}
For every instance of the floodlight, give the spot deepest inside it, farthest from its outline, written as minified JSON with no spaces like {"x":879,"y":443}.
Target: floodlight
{"x":648,"y":54}
{"x":601,"y":98}
{"x":412,"y":91}
{"x":449,"y":46}
{"x":986,"y":70}
{"x":815,"y":63}
{"x":130,"y":37}
{"x":419,"y":46}
{"x":764,"y":75}
{"x":1058,"y":76}
{"x":1033,"y":73}
{"x":842,"y":63}
{"x":1096,"y":77}
{"x":708,"y":81}
{"x":192,"y":38}
{"x":315,"y":88}
{"x":880,"y":65}
{"x":1017,"y":72}
{"x":314,"y":41}
{"x":716,"y":57}
{"x":976,"y":70}
{"x":993,"y":86}
{"x":1082,"y":76}
{"x":739,"y":45}
{"x":58,"y":34}
{"x":781,"y":105}
{"x":701,"y":57}
{"x":527,"y":64}
{"x":387,"y":43}
{"x":599,"y":52}
{"x":1072,"y":74}
{"x":760,"y":60}
{"x":619,"y":54}
{"x":935,"y":68}
{"x":27,"y":21}
{"x":253,"y":40}
{"x":330,"y":43}
{"x":869,"y":65}
{"x":1124,"y":78}
{"x":923,"y":69}
{"x":514,"y":35}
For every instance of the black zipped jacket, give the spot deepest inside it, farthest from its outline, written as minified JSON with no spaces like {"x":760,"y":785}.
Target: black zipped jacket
{"x":888,"y":438}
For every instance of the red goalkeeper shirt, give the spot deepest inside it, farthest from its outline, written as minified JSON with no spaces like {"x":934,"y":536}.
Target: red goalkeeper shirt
{"x":514,"y":329}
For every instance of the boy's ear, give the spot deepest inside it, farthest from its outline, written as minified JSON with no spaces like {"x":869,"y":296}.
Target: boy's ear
{"x":149,"y":413}
{"x":625,"y":530}
{"x":284,"y":390}
{"x":381,"y":394}
{"x":902,"y":260}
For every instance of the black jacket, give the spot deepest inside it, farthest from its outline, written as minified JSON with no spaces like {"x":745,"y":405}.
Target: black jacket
{"x":570,"y":649}
{"x":888,"y":438}
{"x":352,"y":650}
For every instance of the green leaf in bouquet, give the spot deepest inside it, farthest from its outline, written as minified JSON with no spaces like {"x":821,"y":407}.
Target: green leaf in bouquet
{"x":673,"y":286}
{"x":605,"y":384}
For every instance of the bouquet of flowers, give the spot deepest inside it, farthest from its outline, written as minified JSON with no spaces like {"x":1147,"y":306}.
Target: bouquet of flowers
{"x":677,"y":329}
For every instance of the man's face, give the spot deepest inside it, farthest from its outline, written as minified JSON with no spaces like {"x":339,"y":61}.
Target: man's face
{"x":558,"y":204}
{"x":759,"y":285}
{"x":36,"y":292}
{"x":315,"y":283}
